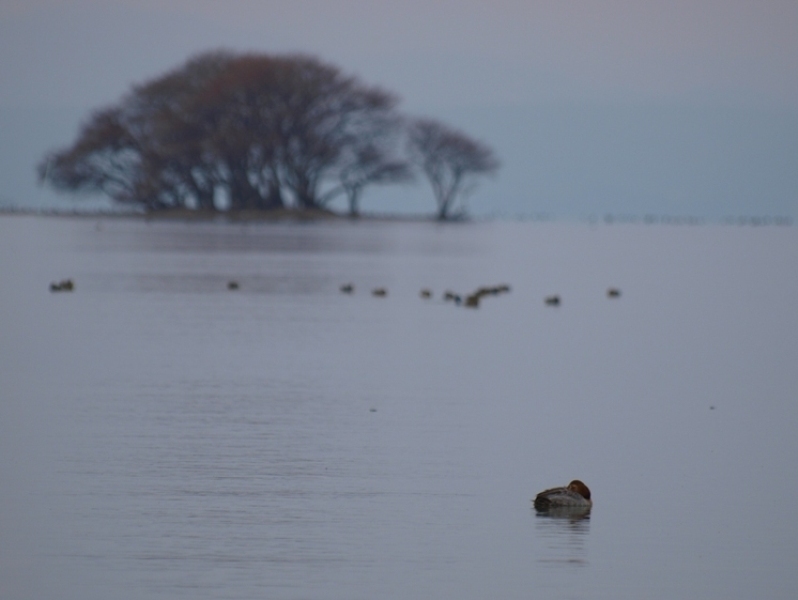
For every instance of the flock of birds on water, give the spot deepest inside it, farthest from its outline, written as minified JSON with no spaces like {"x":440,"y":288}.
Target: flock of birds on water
{"x":471,"y":300}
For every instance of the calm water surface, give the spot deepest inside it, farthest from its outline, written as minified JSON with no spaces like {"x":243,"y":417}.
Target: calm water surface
{"x":163,"y":437}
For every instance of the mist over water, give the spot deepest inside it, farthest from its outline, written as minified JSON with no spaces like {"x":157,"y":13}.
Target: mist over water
{"x":162,"y":436}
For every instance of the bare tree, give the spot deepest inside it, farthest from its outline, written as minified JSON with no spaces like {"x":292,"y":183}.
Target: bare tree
{"x":261,"y":128}
{"x":450,"y":160}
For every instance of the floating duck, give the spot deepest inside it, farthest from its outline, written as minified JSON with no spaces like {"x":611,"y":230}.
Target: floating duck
{"x":426,"y":294}
{"x":347,"y":288}
{"x":575,"y":495}
{"x":472,"y":300}
{"x":613,"y":293}
{"x":232,"y":285}
{"x":552,"y":300}
{"x":379,"y":292}
{"x":65,"y":285}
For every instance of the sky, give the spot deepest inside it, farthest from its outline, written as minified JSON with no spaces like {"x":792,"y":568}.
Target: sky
{"x":594,"y":107}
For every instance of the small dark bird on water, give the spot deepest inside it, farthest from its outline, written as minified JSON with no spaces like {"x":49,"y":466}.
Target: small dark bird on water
{"x":232,"y":285}
{"x":613,"y":293}
{"x":379,"y":292}
{"x":65,"y":285}
{"x":553,"y":300}
{"x":472,"y":301}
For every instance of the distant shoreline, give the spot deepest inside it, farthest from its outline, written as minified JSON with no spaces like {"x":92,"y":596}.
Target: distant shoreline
{"x":289,"y":215}
{"x":253,"y":216}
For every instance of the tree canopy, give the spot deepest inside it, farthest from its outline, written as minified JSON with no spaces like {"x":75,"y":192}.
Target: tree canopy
{"x":242,"y":132}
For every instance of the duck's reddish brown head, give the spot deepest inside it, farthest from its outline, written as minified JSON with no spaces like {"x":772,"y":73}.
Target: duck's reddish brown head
{"x":580,"y":488}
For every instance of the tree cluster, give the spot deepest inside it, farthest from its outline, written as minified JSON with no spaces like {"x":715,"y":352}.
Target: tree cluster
{"x":259,"y":132}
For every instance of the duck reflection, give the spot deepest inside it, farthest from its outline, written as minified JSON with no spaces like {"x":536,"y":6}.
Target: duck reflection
{"x":563,"y":532}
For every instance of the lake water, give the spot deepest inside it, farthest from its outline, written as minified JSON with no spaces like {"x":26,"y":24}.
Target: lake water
{"x":163,"y":437}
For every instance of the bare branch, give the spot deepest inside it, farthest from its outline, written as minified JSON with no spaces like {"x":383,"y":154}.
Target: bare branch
{"x":450,"y":160}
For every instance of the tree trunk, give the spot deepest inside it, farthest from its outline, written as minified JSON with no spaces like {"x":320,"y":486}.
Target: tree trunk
{"x":242,"y":195}
{"x":354,"y":195}
{"x":305,"y":196}
{"x":204,"y":198}
{"x":274,"y":198}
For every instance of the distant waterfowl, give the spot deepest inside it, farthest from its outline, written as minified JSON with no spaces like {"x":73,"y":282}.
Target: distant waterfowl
{"x":613,"y":293}
{"x":379,"y":292}
{"x":65,"y":285}
{"x":426,"y":294}
{"x":575,"y":495}
{"x":347,"y":288}
{"x":232,"y":285}
{"x":552,"y":300}
{"x":452,"y":297}
{"x":472,"y":301}
{"x":494,"y":290}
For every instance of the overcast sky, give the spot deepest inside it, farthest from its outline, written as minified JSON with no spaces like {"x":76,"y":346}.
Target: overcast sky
{"x":625,"y":106}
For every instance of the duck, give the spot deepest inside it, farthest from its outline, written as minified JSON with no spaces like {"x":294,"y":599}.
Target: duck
{"x":472,"y":301}
{"x":575,"y":495}
{"x":552,"y":300}
{"x":65,"y":285}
